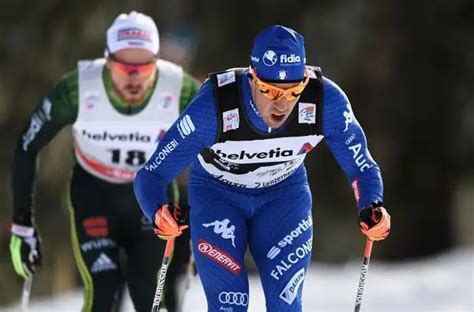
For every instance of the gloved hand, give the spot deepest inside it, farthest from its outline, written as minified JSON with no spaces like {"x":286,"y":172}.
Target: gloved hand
{"x":25,"y":249}
{"x":374,"y":222}
{"x":170,"y":221}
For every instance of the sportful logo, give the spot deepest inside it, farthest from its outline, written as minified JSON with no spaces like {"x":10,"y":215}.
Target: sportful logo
{"x":237,"y":298}
{"x":290,"y":292}
{"x":225,"y":78}
{"x":302,"y":227}
{"x":185,"y":126}
{"x":133,"y":33}
{"x":222,"y":228}
{"x":103,"y":263}
{"x":270,"y":58}
{"x":219,"y":256}
{"x":231,"y":120}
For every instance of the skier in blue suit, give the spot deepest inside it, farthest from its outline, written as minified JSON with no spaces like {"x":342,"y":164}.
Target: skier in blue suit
{"x":246,"y":134}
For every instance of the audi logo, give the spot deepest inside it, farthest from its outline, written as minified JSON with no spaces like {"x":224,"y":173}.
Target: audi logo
{"x":237,"y":298}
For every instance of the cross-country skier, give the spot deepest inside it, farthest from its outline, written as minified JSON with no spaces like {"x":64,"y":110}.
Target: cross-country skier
{"x":246,"y":134}
{"x":119,"y":107}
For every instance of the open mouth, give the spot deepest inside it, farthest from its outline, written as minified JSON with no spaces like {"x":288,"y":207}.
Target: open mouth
{"x":278,"y":118}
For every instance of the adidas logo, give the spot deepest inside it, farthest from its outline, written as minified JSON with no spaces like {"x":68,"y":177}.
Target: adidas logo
{"x":103,"y":263}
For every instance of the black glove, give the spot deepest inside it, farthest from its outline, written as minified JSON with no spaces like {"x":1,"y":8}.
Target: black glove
{"x":374,"y":222}
{"x":25,"y":249}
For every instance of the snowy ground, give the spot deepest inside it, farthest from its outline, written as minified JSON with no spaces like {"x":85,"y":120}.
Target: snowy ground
{"x":443,"y":284}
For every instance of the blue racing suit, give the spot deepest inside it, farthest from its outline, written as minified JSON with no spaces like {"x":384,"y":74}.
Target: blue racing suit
{"x":274,"y":218}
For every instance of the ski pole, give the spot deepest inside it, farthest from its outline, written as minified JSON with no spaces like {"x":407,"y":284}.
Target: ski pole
{"x":161,"y":280}
{"x":363,"y":274}
{"x":25,"y":295}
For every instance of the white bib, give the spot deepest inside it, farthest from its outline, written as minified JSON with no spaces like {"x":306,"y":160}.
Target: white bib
{"x":272,"y":160}
{"x":113,"y":146}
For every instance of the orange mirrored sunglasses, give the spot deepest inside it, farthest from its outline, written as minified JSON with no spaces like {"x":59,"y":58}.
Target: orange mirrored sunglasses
{"x":130,"y":69}
{"x":274,"y":93}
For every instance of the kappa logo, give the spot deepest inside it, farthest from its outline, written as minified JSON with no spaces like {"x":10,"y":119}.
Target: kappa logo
{"x":225,"y":78}
{"x":349,"y":117}
{"x":290,"y":292}
{"x":186,"y":126}
{"x":103,"y":263}
{"x":222,"y":228}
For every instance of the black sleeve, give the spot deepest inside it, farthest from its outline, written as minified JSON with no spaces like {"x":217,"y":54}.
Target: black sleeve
{"x":55,"y":111}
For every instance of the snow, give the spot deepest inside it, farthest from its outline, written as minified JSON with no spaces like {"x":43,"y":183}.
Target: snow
{"x":443,"y":283}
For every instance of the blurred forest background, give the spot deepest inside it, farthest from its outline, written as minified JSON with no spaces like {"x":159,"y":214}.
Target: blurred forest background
{"x":407,"y":67}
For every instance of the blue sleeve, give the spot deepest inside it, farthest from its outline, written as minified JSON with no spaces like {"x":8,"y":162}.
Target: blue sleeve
{"x":194,"y":130}
{"x":348,"y":144}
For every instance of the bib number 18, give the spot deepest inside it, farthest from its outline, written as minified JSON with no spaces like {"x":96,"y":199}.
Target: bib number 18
{"x":132,"y":157}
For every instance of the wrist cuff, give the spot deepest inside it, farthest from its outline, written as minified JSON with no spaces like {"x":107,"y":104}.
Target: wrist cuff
{"x":23,"y":231}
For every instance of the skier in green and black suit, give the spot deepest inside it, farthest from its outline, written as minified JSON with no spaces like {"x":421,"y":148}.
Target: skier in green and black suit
{"x":119,"y":108}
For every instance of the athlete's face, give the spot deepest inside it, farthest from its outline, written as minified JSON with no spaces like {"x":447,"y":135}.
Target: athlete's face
{"x":133,"y":72}
{"x":274,"y":112}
